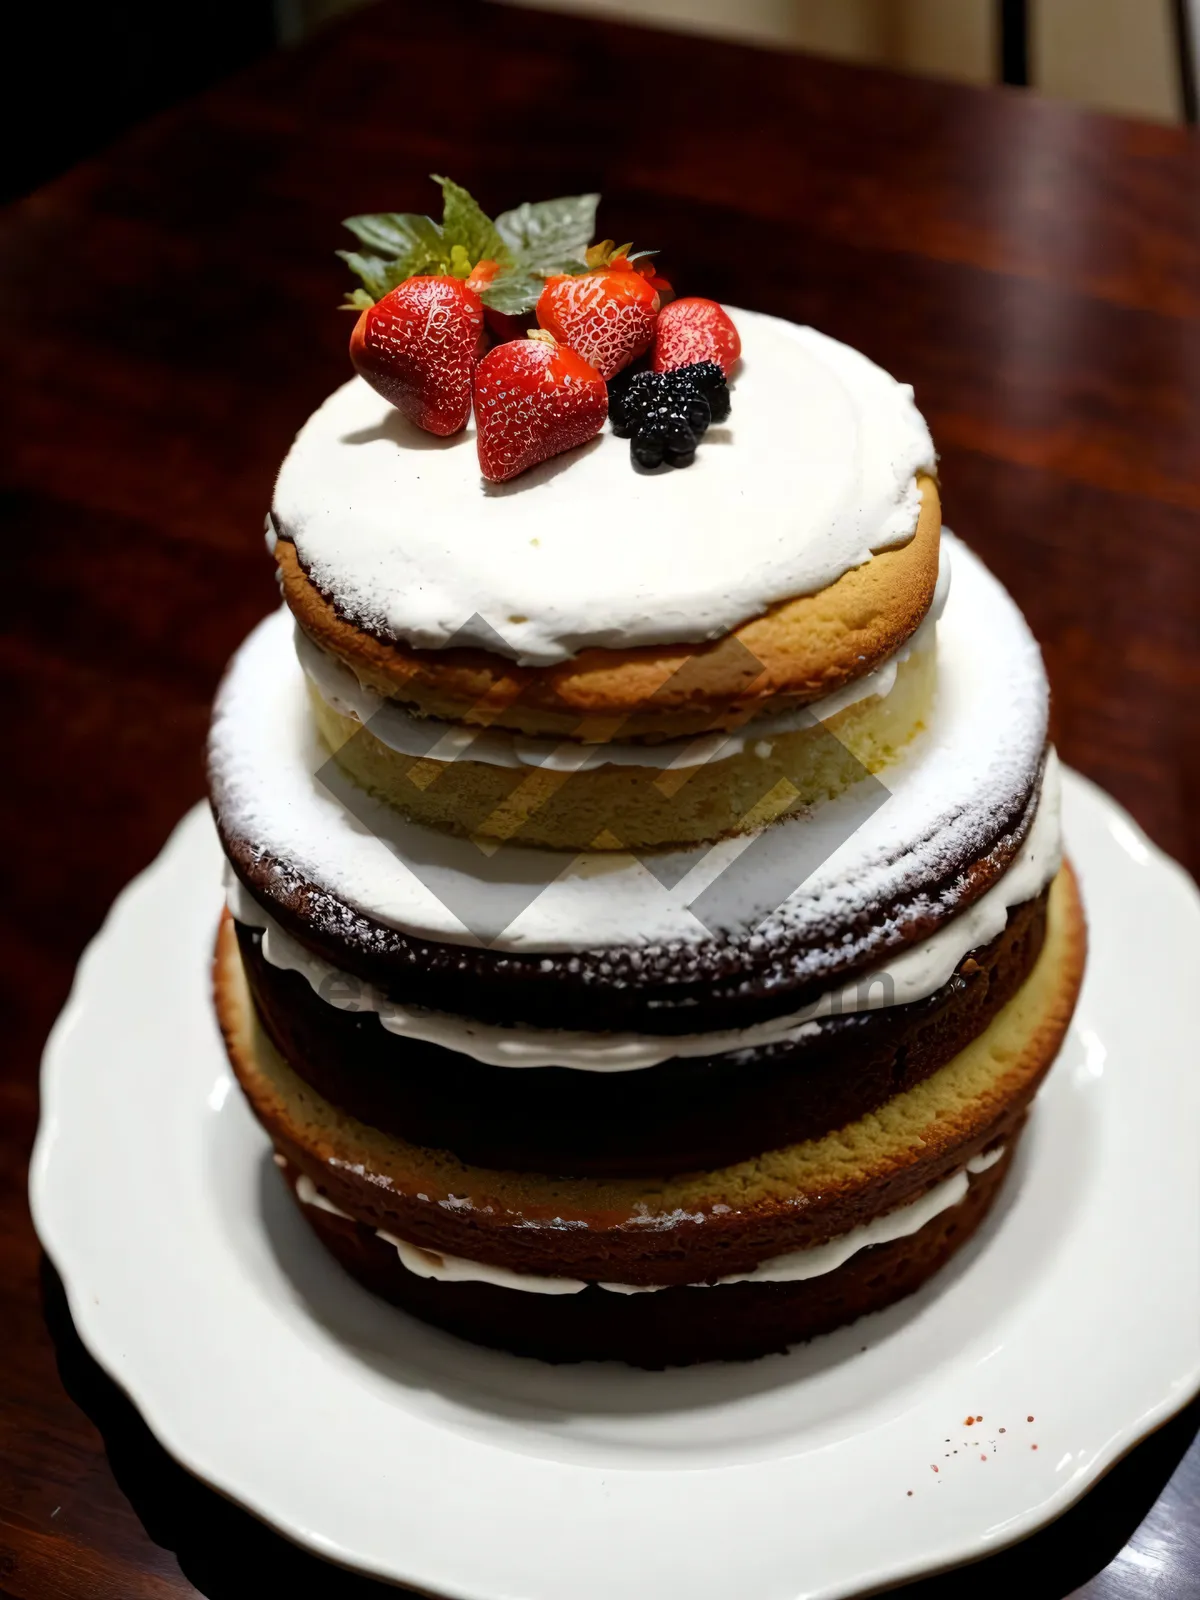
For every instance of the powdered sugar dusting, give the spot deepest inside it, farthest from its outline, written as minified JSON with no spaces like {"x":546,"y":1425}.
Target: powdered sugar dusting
{"x":964,"y":783}
{"x":916,"y":972}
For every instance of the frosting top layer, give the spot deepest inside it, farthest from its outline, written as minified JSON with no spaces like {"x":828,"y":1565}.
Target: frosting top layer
{"x":814,"y":472}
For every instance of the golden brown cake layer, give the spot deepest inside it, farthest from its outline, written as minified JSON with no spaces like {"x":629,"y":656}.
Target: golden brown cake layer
{"x":796,"y":653}
{"x":628,"y":807}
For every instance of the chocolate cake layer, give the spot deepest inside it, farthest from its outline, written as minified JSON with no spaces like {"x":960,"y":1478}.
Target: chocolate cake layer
{"x":673,"y":1327}
{"x":682,"y":1229}
{"x":681,"y":1115}
{"x":724,"y":981}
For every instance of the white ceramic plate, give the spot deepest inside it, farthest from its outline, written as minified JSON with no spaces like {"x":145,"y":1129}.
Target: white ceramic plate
{"x":841,"y":1467}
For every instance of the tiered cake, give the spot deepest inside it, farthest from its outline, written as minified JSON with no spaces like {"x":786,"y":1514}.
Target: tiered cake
{"x":646,"y":923}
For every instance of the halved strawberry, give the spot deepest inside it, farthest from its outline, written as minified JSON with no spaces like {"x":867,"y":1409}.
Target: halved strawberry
{"x":534,"y":398}
{"x":691,"y":330}
{"x":418,"y":347}
{"x":607,"y":315}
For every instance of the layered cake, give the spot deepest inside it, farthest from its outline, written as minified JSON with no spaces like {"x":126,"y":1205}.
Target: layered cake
{"x":647,"y":925}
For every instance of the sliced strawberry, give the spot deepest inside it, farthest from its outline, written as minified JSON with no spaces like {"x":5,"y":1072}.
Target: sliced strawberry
{"x":534,"y":399}
{"x":606,"y":315}
{"x":418,"y":347}
{"x":695,"y":330}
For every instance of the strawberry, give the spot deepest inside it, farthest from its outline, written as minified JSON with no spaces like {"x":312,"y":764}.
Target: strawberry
{"x":607,"y":314}
{"x":695,"y":330}
{"x":534,"y":398}
{"x":418,"y":346}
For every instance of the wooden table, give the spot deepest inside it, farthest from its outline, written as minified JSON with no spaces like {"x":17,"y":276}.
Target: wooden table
{"x":1033,"y":269}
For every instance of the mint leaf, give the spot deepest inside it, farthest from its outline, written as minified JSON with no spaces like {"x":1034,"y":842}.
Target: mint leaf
{"x":401,"y":245}
{"x":514,"y":292}
{"x":465,"y":223}
{"x":376,"y":275}
{"x":550,"y":235}
{"x":545,"y":237}
{"x":394,"y":234}
{"x":531,"y":243}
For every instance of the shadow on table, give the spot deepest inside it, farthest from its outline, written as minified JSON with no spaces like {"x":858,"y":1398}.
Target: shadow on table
{"x":229,"y":1555}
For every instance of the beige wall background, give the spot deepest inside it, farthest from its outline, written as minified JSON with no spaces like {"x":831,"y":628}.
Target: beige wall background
{"x":1117,"y":55}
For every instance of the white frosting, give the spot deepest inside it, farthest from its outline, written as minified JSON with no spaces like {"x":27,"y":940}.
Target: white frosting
{"x":814,"y":472}
{"x":981,"y":1163}
{"x":457,"y":1269}
{"x":947,"y":797}
{"x":409,"y":734}
{"x":915,"y":973}
{"x":790,"y":1268}
{"x":307,"y":1191}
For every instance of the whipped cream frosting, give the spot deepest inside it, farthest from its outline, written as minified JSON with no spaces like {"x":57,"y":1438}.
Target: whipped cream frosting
{"x":814,"y":473}
{"x":915,"y":973}
{"x":950,"y":794}
{"x":791,"y":1268}
{"x":401,"y":730}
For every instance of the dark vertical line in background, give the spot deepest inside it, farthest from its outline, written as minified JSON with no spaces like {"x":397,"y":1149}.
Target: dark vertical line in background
{"x":1014,"y":42}
{"x":1185,"y":49}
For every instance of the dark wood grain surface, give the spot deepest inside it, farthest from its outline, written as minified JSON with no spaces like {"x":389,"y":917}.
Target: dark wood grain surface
{"x":168,"y":322}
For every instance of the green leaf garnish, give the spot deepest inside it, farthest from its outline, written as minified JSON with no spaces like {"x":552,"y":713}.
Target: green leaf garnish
{"x":550,"y":235}
{"x":374,"y":272}
{"x":465,"y":223}
{"x":514,"y":292}
{"x":393,"y":234}
{"x":530,"y":243}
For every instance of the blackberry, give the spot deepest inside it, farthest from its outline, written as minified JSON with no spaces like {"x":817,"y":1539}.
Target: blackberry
{"x":664,"y":434}
{"x":689,"y":399}
{"x":665,"y":414}
{"x":630,"y":395}
{"x":708,"y":378}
